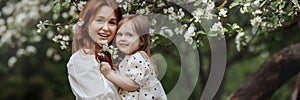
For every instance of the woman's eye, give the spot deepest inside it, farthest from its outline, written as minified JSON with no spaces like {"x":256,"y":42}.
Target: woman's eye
{"x":113,"y":23}
{"x":99,"y":20}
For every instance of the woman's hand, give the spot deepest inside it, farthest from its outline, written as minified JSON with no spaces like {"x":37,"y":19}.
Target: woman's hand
{"x":105,"y":68}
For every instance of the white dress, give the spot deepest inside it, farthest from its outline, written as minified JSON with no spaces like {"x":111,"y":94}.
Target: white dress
{"x":138,"y":68}
{"x":87,"y":83}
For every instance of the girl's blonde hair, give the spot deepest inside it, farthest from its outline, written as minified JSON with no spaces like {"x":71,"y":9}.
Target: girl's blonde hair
{"x":141,"y":26}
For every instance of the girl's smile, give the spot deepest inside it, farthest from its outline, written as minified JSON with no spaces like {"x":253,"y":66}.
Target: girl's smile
{"x":127,"y":40}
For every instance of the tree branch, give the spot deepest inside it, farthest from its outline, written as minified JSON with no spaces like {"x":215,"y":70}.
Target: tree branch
{"x":270,"y":76}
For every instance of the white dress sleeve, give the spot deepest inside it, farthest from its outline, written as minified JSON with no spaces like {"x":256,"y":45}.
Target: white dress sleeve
{"x":86,"y":81}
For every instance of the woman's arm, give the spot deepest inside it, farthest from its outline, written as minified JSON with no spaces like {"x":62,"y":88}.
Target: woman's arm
{"x":123,"y":82}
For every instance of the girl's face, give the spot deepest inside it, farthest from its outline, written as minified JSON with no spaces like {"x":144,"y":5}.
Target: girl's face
{"x":104,"y":25}
{"x":127,"y":40}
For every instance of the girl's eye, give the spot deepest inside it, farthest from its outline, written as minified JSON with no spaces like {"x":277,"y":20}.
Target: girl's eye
{"x":119,"y":34}
{"x":129,"y":34}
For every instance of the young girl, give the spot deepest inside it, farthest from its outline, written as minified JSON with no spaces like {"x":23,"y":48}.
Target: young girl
{"x":136,"y":74}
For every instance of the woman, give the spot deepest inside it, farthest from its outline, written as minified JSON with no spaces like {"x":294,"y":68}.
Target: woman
{"x":100,"y":19}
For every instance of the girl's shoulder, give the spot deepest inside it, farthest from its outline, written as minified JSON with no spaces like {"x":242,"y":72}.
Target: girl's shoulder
{"x":140,"y":55}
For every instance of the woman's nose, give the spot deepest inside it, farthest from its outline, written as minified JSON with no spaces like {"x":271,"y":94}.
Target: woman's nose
{"x":105,"y":26}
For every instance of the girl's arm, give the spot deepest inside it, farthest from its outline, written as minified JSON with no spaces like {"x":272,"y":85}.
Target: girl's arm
{"x":123,"y":82}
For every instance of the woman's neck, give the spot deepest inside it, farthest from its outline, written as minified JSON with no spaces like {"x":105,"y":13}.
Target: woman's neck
{"x":88,"y":51}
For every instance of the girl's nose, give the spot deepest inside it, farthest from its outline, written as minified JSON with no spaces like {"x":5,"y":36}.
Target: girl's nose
{"x":122,"y":38}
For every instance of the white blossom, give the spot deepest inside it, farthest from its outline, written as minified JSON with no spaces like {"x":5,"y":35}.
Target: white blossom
{"x":204,"y":1}
{"x":217,"y":27}
{"x":20,"y":52}
{"x":238,"y":39}
{"x":55,"y":39}
{"x":2,"y":22}
{"x":151,"y":31}
{"x":198,"y":13}
{"x":210,"y":6}
{"x":65,"y":38}
{"x":10,"y":20}
{"x":223,"y":13}
{"x":11,"y":61}
{"x":6,"y":36}
{"x":235,"y":26}
{"x":119,"y":1}
{"x":45,"y":8}
{"x":37,"y":38}
{"x":125,"y":5}
{"x":256,"y":3}
{"x":23,"y":39}
{"x":81,"y":4}
{"x":55,"y":16}
{"x":64,"y":14}
{"x":2,"y":29}
{"x":56,"y":57}
{"x":179,"y":30}
{"x":296,"y":4}
{"x":50,"y":34}
{"x":189,"y":34}
{"x":244,"y":9}
{"x":180,"y":14}
{"x":8,"y":9}
{"x":256,"y":21}
{"x":31,"y":49}
{"x":153,"y":22}
{"x":50,"y":51}
{"x":256,"y":12}
{"x":63,"y":46}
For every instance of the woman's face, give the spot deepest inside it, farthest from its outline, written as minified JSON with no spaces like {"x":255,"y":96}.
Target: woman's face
{"x":103,"y":25}
{"x":127,"y":40}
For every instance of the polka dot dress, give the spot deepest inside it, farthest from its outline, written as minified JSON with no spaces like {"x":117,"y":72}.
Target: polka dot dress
{"x":139,"y":68}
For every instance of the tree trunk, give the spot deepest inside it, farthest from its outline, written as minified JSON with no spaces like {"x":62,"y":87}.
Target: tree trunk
{"x":296,"y":92}
{"x":270,"y":76}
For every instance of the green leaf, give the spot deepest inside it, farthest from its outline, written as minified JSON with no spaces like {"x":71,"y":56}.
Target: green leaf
{"x":282,"y":5}
{"x":56,"y":8}
{"x":234,"y":4}
{"x":197,"y":3}
{"x":263,"y":3}
{"x":212,"y":34}
{"x":201,"y":43}
{"x":65,"y":4}
{"x":290,"y":13}
{"x":200,"y":32}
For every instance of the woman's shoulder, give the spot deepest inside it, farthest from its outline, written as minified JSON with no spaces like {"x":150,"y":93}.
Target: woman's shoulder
{"x":80,"y":55}
{"x":79,"y":58}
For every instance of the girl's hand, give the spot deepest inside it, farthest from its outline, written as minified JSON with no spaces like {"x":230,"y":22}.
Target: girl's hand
{"x":105,"y":68}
